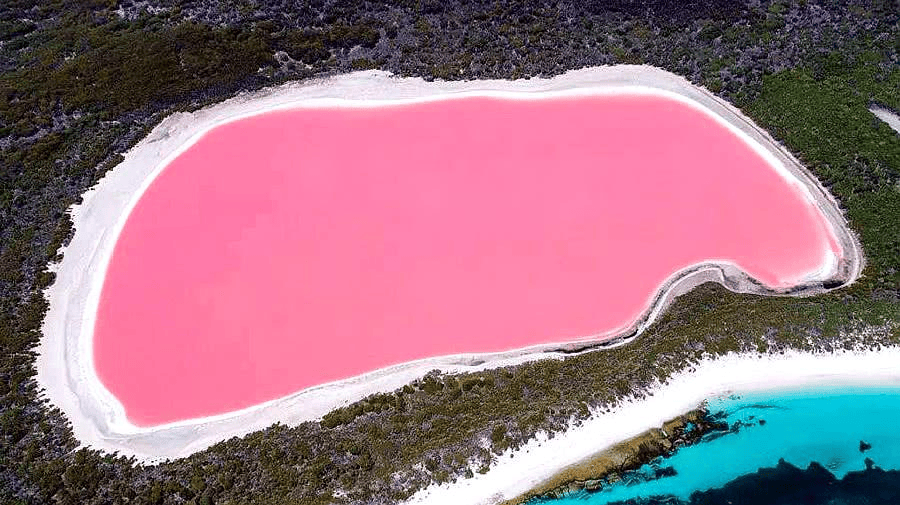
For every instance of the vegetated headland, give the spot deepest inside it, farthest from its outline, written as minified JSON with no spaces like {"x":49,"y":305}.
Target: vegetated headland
{"x":82,"y":81}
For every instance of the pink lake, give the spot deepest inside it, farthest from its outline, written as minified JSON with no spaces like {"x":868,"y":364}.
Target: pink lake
{"x":296,"y":248}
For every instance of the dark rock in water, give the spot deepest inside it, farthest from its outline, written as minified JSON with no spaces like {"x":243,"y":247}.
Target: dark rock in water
{"x":762,"y":422}
{"x":785,"y":481}
{"x":863,"y":446}
{"x":786,"y":484}
{"x":621,"y":464}
{"x":667,"y":471}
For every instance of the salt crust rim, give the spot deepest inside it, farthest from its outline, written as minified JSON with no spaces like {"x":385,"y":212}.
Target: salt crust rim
{"x":65,"y":354}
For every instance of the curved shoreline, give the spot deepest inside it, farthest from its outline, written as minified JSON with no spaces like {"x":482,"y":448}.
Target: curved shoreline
{"x":543,"y":461}
{"x":65,"y":360}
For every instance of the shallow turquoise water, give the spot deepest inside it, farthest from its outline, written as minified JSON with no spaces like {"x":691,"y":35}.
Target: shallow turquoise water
{"x":824,"y":425}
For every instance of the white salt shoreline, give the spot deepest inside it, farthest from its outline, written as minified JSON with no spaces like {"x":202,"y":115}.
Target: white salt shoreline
{"x":517,"y":472}
{"x":65,"y":362}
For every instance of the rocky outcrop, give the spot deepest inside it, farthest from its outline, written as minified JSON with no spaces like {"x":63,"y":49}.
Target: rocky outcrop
{"x":610,"y":465}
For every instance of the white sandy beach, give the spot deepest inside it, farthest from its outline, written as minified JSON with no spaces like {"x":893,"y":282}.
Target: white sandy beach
{"x":517,"y":472}
{"x":65,"y":363}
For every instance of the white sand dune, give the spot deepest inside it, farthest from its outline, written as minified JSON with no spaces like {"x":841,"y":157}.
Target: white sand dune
{"x":65,"y":363}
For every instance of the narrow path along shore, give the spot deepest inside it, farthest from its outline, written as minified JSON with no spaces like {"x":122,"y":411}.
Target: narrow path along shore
{"x":888,"y":116}
{"x":65,"y":363}
{"x":544,"y":463}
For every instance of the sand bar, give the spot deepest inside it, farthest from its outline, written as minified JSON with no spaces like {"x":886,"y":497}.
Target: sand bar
{"x":65,"y":366}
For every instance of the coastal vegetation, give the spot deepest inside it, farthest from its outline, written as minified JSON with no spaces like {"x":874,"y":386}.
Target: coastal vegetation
{"x":80,"y":81}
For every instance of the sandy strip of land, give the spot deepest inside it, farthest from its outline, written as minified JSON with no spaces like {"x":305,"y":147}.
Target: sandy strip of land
{"x":887,"y":115}
{"x":517,"y":472}
{"x":65,"y":362}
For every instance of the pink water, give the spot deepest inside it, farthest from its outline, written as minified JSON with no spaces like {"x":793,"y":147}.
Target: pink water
{"x":296,"y":248}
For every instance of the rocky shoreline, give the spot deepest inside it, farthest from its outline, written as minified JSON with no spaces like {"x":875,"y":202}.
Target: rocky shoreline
{"x":609,"y":466}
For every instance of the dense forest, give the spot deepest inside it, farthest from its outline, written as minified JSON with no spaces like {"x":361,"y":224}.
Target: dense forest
{"x":82,"y":80}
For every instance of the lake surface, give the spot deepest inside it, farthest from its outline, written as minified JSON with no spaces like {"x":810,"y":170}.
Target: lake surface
{"x":300,"y":247}
{"x":820,"y":426}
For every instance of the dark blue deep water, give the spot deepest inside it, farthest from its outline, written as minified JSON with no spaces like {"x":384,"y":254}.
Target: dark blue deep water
{"x":812,"y":446}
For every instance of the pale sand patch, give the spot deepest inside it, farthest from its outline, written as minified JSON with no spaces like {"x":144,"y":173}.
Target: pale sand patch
{"x":65,"y":362}
{"x":517,"y":472}
{"x":887,"y":115}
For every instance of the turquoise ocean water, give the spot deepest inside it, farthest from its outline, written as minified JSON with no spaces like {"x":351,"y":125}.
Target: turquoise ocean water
{"x":801,"y":426}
